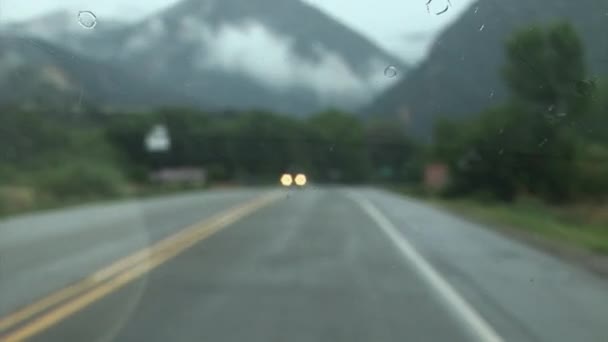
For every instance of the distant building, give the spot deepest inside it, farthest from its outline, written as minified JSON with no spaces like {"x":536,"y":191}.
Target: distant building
{"x":158,"y":139}
{"x":436,"y":176}
{"x":188,"y":175}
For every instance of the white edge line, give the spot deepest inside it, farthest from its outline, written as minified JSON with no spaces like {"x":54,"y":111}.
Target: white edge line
{"x":469,"y":316}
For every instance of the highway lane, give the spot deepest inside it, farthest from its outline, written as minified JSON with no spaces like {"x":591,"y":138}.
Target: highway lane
{"x":525,"y":294}
{"x":321,"y":264}
{"x":43,"y":252}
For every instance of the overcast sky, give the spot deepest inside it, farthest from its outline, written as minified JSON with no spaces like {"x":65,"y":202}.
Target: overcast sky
{"x":403,"y":27}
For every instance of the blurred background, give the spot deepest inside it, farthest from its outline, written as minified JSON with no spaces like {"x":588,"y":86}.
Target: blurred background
{"x":495,"y":109}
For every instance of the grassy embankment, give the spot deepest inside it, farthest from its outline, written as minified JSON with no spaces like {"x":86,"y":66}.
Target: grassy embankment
{"x":582,"y":225}
{"x":16,"y":200}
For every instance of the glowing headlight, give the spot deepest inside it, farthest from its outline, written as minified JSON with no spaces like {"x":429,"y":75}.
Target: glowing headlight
{"x":286,"y":179}
{"x":300,"y":179}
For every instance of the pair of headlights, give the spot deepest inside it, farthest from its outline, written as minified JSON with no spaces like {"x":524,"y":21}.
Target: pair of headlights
{"x":289,"y":180}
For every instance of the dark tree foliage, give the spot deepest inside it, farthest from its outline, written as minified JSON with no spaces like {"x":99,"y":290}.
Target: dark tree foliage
{"x":533,"y":144}
{"x":330,"y":146}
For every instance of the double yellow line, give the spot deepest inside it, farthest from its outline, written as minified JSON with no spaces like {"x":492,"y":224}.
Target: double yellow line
{"x":46,"y":312}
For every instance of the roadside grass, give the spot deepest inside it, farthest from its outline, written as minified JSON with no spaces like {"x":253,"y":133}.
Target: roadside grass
{"x":20,"y":200}
{"x":559,"y":224}
{"x":582,"y":225}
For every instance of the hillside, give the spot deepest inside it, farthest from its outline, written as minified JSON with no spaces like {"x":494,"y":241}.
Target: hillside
{"x":36,"y":73}
{"x":282,"y":55}
{"x":462,"y":73}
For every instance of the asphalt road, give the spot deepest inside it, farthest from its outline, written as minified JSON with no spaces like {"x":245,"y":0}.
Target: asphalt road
{"x":319,"y":264}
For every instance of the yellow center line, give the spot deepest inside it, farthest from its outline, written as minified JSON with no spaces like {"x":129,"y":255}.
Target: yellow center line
{"x":123,"y":271}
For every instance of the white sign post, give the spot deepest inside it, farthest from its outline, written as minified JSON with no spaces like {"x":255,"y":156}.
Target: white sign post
{"x":158,"y":139}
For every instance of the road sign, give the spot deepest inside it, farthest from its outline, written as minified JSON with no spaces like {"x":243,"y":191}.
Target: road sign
{"x":158,"y":139}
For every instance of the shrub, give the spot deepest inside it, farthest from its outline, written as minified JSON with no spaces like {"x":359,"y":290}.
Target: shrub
{"x":16,"y":198}
{"x":82,"y":179}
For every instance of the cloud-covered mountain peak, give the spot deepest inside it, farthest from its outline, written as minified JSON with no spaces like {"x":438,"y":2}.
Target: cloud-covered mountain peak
{"x":283,"y":55}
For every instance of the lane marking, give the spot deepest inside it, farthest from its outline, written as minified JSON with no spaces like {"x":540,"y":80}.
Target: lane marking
{"x":469,"y":316}
{"x":135,"y":264}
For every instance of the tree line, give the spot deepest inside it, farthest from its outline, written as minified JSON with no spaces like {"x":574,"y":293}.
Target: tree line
{"x":548,"y":140}
{"x":54,"y":157}
{"x":258,"y":146}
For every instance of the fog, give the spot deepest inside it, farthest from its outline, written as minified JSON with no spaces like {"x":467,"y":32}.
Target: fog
{"x":267,"y":56}
{"x":388,"y":23}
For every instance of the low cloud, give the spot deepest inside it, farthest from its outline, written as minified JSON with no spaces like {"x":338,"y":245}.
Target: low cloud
{"x":252,"y":49}
{"x":145,"y":38}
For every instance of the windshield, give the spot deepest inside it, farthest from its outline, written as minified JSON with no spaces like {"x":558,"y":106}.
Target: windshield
{"x":303,"y":170}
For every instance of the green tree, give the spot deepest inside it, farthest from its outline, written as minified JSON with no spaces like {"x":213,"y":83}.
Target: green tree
{"x":546,"y":73}
{"x":546,"y":70}
{"x":393,"y":155}
{"x":340,"y":152}
{"x":528,"y":144}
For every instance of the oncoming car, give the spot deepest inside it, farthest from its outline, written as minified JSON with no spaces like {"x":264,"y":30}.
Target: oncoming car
{"x":298,"y":180}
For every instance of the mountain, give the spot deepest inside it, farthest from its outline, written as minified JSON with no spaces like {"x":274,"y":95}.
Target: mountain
{"x":54,"y":26}
{"x":60,"y":27}
{"x":282,"y":55}
{"x":37,"y":73}
{"x":462,"y":73}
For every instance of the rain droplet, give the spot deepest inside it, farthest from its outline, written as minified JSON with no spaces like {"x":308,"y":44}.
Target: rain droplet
{"x":80,"y":99}
{"x":482,"y":27}
{"x":542,"y":143}
{"x":562,"y":114}
{"x":550,"y":108}
{"x":436,"y":10}
{"x":501,"y":151}
{"x":492,"y":94}
{"x":476,"y":9}
{"x":87,"y":19}
{"x":551,"y":119}
{"x":447,"y":7}
{"x":585,"y":87}
{"x":502,"y":130}
{"x":390,"y":71}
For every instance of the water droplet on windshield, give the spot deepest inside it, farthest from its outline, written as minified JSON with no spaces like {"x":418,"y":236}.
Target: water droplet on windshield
{"x":492,"y":94}
{"x":585,"y":87}
{"x":87,"y":19}
{"x":447,"y":7}
{"x":390,"y":71}
{"x":550,"y":108}
{"x":476,"y":9}
{"x":482,"y":27}
{"x":438,"y":10}
{"x":542,"y":143}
